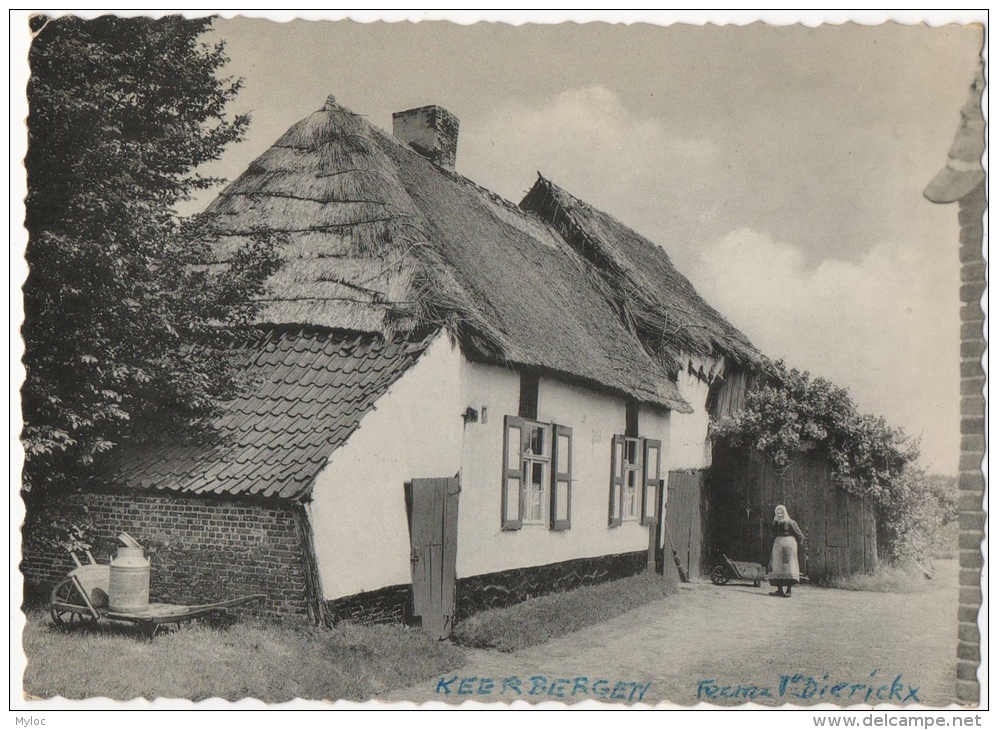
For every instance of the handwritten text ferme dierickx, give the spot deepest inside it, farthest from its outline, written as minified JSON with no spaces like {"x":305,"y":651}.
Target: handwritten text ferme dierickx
{"x":802,"y":687}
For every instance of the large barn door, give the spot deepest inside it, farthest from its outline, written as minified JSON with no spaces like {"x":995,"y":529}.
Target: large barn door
{"x":433,"y":536}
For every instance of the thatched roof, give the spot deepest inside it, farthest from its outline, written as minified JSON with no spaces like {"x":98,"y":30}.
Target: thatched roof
{"x":381,"y":240}
{"x":963,"y":171}
{"x":655,"y":300}
{"x":351,"y":228}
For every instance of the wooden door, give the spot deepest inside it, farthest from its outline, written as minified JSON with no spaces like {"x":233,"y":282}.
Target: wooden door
{"x":432,"y":506}
{"x":684,"y":523}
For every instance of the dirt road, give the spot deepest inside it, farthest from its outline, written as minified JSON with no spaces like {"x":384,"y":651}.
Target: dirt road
{"x":731,"y":644}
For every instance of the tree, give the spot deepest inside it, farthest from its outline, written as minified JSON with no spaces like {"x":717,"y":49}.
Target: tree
{"x":913,"y":512}
{"x":793,"y":413}
{"x":122,"y":315}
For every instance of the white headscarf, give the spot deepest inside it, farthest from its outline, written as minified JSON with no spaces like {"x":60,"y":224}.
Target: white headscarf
{"x":786,"y":515}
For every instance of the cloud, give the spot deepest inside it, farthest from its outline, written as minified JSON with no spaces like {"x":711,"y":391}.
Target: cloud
{"x":585,"y":135}
{"x":887,"y":327}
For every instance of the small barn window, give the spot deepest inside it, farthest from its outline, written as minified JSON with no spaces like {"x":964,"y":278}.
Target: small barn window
{"x":537,"y":475}
{"x":529,"y":388}
{"x":635,"y":470}
{"x":631,"y":418}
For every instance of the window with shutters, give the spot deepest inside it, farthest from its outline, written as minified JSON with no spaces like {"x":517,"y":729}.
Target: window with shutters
{"x":632,"y":478}
{"x":635,"y":469}
{"x":536,"y":458}
{"x":537,"y":475}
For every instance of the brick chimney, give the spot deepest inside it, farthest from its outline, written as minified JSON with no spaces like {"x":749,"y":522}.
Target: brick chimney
{"x":431,"y":131}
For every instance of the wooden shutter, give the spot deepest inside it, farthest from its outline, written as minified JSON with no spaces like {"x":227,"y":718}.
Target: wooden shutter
{"x":617,"y":481}
{"x":561,"y":478}
{"x":650,"y":484}
{"x":512,"y":473}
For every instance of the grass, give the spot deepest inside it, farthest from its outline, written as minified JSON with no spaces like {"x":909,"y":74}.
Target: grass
{"x":271,"y":662}
{"x":885,"y":579}
{"x":540,"y":619}
{"x":943,"y":544}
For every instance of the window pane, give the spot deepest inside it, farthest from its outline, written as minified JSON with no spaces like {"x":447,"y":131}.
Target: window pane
{"x":631,"y":477}
{"x":512,"y":499}
{"x":629,"y":505}
{"x":537,"y":475}
{"x":630,"y":451}
{"x":535,"y":507}
{"x":535,"y":440}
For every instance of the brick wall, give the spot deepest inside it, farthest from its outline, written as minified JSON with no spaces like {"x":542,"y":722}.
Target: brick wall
{"x":972,"y":345}
{"x":202,"y":550}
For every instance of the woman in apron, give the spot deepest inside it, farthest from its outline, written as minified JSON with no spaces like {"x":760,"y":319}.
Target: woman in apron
{"x":784,"y":567}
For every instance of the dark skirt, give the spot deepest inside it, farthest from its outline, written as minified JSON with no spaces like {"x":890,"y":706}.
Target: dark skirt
{"x":784,"y":569}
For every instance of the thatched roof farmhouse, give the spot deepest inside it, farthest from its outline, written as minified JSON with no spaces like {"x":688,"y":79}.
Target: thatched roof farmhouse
{"x":458,"y":401}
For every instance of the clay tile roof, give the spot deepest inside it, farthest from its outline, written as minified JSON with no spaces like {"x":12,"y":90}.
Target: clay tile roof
{"x":311,"y":391}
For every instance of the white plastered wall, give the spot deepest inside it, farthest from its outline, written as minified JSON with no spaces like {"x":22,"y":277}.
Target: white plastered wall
{"x":416,"y":430}
{"x":358,"y":508}
{"x":483,"y":546}
{"x":688,"y":447}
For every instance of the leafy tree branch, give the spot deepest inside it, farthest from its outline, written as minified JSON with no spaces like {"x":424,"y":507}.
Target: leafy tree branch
{"x":123,"y":306}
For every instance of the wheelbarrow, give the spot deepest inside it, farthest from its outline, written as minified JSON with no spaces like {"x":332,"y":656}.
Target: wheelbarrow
{"x":735,"y":570}
{"x":82,"y":597}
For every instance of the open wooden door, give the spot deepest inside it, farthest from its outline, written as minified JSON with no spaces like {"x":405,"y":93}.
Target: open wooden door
{"x":684,"y":521}
{"x":432,"y":507}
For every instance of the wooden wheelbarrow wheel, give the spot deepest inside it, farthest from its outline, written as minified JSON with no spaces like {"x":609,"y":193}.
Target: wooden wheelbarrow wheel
{"x":719,"y":575}
{"x":65,"y":593}
{"x":65,"y":608}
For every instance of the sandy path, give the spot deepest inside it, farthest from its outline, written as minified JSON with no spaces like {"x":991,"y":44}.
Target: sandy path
{"x":740,"y":637}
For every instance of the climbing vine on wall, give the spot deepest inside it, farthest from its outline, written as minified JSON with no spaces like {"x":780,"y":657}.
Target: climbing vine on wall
{"x":794,"y":413}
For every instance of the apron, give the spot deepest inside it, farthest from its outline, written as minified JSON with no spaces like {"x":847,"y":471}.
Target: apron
{"x":783,"y":566}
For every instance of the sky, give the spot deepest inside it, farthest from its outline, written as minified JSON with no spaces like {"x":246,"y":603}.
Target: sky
{"x":780,"y":167}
